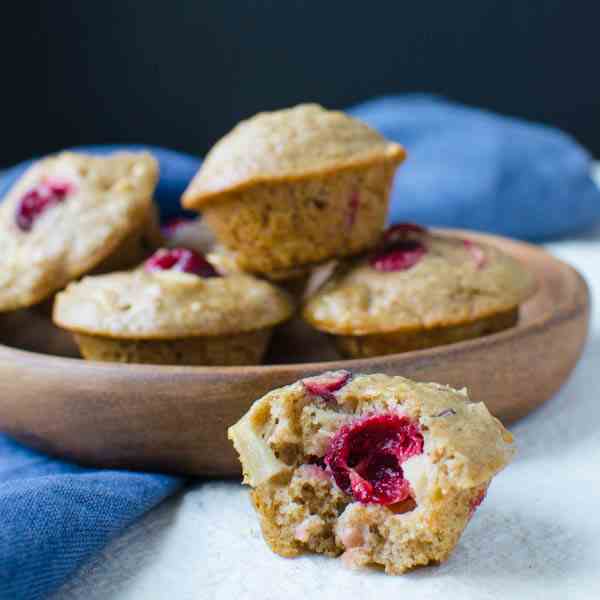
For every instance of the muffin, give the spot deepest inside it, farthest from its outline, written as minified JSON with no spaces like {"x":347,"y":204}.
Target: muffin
{"x":71,"y":214}
{"x":378,"y":470}
{"x":176,"y":309}
{"x":288,"y":189}
{"x":418,"y":289}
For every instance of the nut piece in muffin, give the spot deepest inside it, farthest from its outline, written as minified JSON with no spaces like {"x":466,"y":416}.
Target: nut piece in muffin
{"x":295,"y":187}
{"x":176,"y":309}
{"x":71,"y":214}
{"x":419,"y":289}
{"x":380,"y":470}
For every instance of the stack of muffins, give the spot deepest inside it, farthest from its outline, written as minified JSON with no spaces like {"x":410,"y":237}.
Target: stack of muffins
{"x":282,"y":193}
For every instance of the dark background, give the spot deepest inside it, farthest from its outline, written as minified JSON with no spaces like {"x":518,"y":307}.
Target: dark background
{"x":182,"y":73}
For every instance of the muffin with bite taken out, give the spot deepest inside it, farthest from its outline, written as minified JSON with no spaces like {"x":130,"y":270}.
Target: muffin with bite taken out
{"x":378,"y":470}
{"x":176,"y":309}
{"x":289,"y":189}
{"x":418,"y":289}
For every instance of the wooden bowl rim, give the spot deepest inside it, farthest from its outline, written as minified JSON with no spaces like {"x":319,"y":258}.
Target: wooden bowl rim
{"x":562,"y":311}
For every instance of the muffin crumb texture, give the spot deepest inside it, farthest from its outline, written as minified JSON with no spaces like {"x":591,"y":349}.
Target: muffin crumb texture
{"x":378,"y":470}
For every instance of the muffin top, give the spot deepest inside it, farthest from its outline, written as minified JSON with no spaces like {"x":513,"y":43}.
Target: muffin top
{"x":65,"y":215}
{"x":285,"y":145}
{"x":304,"y":421}
{"x":177,"y":293}
{"x":418,"y":279}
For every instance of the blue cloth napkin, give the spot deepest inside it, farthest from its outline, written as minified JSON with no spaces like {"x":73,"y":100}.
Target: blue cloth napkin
{"x":466,"y":168}
{"x":475,"y":169}
{"x":54,"y":515}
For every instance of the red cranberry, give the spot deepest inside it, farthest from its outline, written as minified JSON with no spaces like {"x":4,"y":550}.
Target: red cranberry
{"x":398,"y":232}
{"x":326,"y":384}
{"x":365,"y":457}
{"x":48,"y":193}
{"x":172,"y":225}
{"x":476,"y":502}
{"x":180,"y":259}
{"x":403,"y":255}
{"x":476,"y":252}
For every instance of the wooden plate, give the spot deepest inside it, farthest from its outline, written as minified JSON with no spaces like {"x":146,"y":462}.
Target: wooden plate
{"x":174,"y":419}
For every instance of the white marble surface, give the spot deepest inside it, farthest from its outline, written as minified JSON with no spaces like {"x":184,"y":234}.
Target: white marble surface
{"x":536,"y":536}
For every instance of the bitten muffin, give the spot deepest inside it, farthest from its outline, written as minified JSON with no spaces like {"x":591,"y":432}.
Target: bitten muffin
{"x":295,"y":187}
{"x":176,"y":309}
{"x":419,"y":289}
{"x":380,"y":470}
{"x":71,"y":214}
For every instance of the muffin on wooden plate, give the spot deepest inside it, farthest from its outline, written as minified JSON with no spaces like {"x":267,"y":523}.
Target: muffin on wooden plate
{"x":70,"y":214}
{"x":176,"y":309}
{"x":380,"y":470}
{"x":417,"y":290}
{"x":287,"y":189}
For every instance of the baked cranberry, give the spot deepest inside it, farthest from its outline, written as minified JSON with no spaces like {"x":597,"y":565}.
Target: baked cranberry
{"x":37,"y":200}
{"x":476,"y":252}
{"x":326,"y":384}
{"x":180,"y":259}
{"x":403,"y":255}
{"x":365,"y":457}
{"x":399,"y":250}
{"x":476,"y":502}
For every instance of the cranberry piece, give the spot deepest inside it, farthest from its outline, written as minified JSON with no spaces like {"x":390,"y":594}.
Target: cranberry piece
{"x":403,"y":255}
{"x":180,"y":259}
{"x":326,"y":384}
{"x":172,"y":225}
{"x":365,"y":457}
{"x":37,"y":200}
{"x":398,"y":252}
{"x":476,"y":252}
{"x":476,"y":502}
{"x":398,"y":232}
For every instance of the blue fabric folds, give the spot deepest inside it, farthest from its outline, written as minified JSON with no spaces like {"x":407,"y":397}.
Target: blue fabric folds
{"x":474,"y":169}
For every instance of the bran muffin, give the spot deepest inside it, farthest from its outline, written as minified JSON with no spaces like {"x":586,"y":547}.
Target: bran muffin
{"x":417,"y":290}
{"x":72,"y":214}
{"x":380,"y":470}
{"x":176,"y":309}
{"x":292,"y":188}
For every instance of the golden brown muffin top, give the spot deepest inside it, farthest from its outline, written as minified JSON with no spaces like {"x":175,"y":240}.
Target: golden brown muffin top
{"x":453,"y":281}
{"x":285,"y":145}
{"x":169,"y":304}
{"x":65,"y":215}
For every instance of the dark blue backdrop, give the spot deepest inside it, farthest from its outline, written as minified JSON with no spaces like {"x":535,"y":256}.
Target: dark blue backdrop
{"x":180,"y":74}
